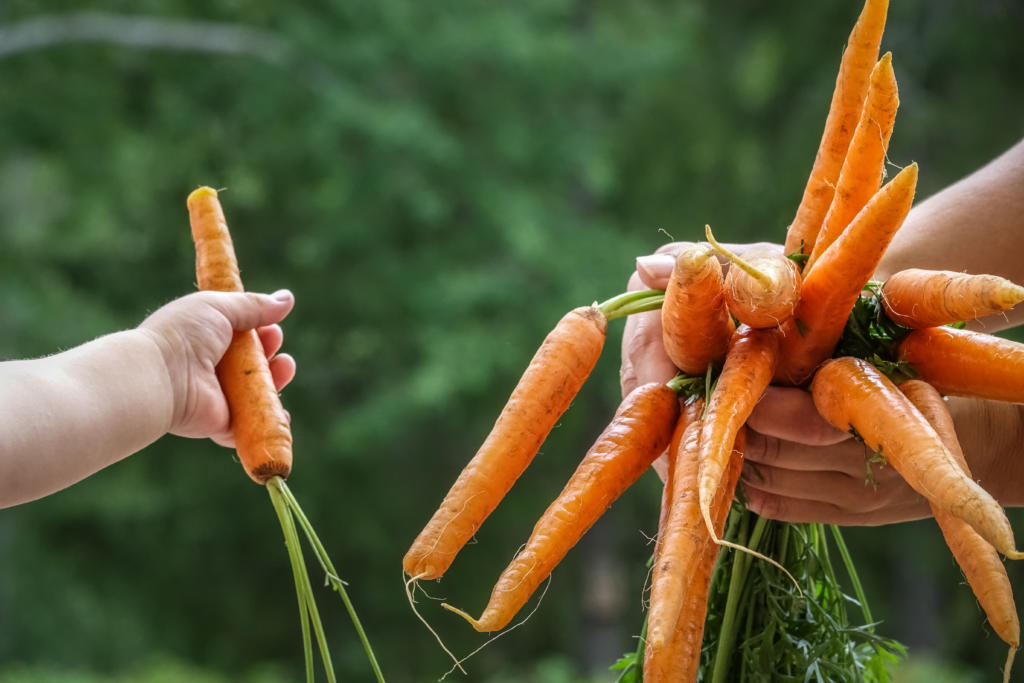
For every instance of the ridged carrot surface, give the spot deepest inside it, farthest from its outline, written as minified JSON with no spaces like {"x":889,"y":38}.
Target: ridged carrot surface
{"x":966,"y":363}
{"x":263,"y":438}
{"x":859,"y":58}
{"x":830,"y":290}
{"x":853,"y":395}
{"x":864,"y":166}
{"x":552,"y":379}
{"x":636,"y":436}
{"x":932,"y":298}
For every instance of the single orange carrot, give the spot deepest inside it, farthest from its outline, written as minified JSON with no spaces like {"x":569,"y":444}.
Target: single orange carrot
{"x":551,"y":381}
{"x":690,"y":413}
{"x":762,"y":287}
{"x":854,"y":396}
{"x":830,"y":290}
{"x":679,"y":659}
{"x":636,"y":436}
{"x":859,"y":58}
{"x":749,"y":366}
{"x":263,"y":438}
{"x":966,"y":363}
{"x":865,"y":159}
{"x":979,"y":561}
{"x":932,"y":298}
{"x":695,"y":321}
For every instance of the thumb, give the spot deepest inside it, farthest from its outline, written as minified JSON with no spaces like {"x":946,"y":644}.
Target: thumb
{"x":249,"y":310}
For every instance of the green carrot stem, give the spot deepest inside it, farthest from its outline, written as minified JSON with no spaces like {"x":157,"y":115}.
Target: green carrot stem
{"x":727,"y":632}
{"x":851,"y":571}
{"x":629,"y":303}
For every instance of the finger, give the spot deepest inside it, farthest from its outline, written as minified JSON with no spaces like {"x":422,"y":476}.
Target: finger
{"x":850,"y":492}
{"x":643,"y":353}
{"x":248,"y":310}
{"x":271,"y":337}
{"x":788,"y":413}
{"x":282,"y":370}
{"x":848,"y":457}
{"x":808,"y":511}
{"x":655,"y":270}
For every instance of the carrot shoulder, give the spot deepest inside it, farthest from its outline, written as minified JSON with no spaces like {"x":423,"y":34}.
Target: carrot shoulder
{"x":865,"y":159}
{"x":552,"y":379}
{"x":636,"y":436}
{"x":932,"y":298}
{"x":966,"y":363}
{"x":695,"y":321}
{"x":979,"y":561}
{"x":859,"y":58}
{"x":831,"y":288}
{"x":854,"y":396}
{"x":263,"y":438}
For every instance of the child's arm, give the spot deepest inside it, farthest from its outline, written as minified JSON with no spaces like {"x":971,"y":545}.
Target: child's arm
{"x":69,"y":415}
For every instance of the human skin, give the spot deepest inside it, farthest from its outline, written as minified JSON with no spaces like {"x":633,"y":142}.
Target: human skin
{"x":800,"y":468}
{"x":68,"y":415}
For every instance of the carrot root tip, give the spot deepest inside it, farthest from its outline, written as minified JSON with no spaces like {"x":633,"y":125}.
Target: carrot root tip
{"x":410,"y":586}
{"x":473,"y":622}
{"x":1009,"y":662}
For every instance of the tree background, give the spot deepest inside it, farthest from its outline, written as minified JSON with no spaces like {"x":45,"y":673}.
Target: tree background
{"x":437,"y":183}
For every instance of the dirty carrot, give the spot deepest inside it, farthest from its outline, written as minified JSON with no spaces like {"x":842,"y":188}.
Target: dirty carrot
{"x":263,"y":438}
{"x":639,"y":433}
{"x":978,"y":560}
{"x":932,"y":298}
{"x":830,"y":290}
{"x":749,"y":365}
{"x":695,"y":320}
{"x":552,"y":379}
{"x":761,"y":288}
{"x":966,"y":363}
{"x":854,"y":396}
{"x":858,"y":59}
{"x":864,"y":166}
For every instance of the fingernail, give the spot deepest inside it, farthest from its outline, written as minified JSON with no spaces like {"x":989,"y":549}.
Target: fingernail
{"x":281,"y":295}
{"x":655,"y":266}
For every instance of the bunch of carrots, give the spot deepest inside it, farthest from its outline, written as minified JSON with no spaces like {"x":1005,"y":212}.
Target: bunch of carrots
{"x":877,"y":358}
{"x":261,"y":428}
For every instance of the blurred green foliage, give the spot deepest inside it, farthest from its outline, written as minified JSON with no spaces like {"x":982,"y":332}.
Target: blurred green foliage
{"x":437,"y":183}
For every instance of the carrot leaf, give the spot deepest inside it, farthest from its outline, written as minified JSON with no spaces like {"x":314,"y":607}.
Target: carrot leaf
{"x":871,"y":335}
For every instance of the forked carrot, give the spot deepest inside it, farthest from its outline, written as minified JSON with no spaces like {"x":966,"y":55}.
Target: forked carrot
{"x":966,"y":363}
{"x":695,"y":320}
{"x":979,"y":561}
{"x":858,"y":59}
{"x":263,"y":437}
{"x":932,"y":298}
{"x":636,"y":436}
{"x":749,"y":365}
{"x":679,"y":660}
{"x":551,"y":381}
{"x":761,"y":288}
{"x":864,"y":166}
{"x":854,"y":396}
{"x":830,"y":290}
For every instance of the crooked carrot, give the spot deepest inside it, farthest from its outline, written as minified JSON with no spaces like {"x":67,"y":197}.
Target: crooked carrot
{"x":932,"y":298}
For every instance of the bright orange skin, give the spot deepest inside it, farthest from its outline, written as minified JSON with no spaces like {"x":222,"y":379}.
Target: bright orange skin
{"x":695,"y":320}
{"x":830,"y":290}
{"x":981,"y":564}
{"x":756,"y":305}
{"x":853,"y":395}
{"x":858,"y":60}
{"x":263,"y":438}
{"x":966,"y":363}
{"x":865,"y":159}
{"x":637,"y":435}
{"x":932,"y":298}
{"x":552,"y":379}
{"x":680,"y":659}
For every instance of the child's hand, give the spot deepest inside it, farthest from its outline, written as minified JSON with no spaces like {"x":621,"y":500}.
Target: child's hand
{"x":193,"y":333}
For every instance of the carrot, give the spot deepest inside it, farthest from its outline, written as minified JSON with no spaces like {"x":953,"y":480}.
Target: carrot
{"x":966,"y":363}
{"x":762,"y":288}
{"x":551,"y":381}
{"x":865,"y":159}
{"x":858,"y":59}
{"x":854,"y":396}
{"x":932,"y":298}
{"x":749,"y":365}
{"x":830,"y":290}
{"x":979,"y":561}
{"x":695,"y":321}
{"x":263,"y":437}
{"x":636,"y":436}
{"x":680,"y":659}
